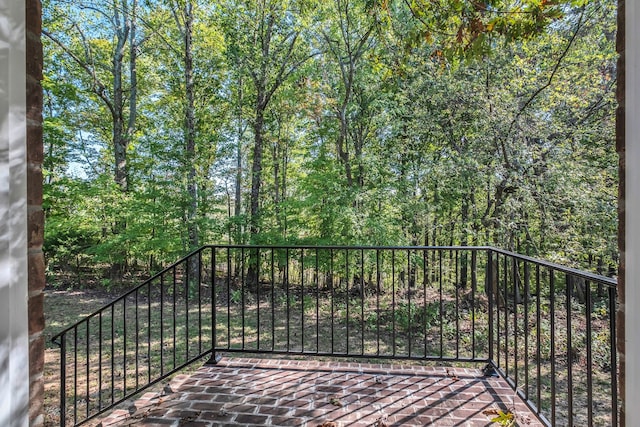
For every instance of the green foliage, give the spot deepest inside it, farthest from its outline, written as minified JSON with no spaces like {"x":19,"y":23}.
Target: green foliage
{"x":236,"y":296}
{"x":426,"y":123}
{"x":412,"y":316}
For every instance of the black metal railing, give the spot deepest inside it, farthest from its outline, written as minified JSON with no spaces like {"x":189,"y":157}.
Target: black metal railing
{"x":547,"y":329}
{"x":553,"y":338}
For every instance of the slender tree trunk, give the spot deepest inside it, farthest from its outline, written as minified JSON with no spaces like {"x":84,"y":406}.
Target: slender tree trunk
{"x":133,"y":72}
{"x":276,"y":182}
{"x":120,"y":141}
{"x":256,"y":180}
{"x":256,"y":170}
{"x":190,"y":129}
{"x":238,"y":184}
{"x":123,"y":127}
{"x":283,"y":190}
{"x":464,"y":240}
{"x":342,"y":144}
{"x":237,"y":207}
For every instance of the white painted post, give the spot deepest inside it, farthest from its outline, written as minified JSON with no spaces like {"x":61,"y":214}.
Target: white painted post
{"x":14,"y":340}
{"x":632,"y":216}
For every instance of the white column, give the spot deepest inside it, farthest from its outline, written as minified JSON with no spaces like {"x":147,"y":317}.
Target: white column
{"x":14,"y":342}
{"x":632,"y":276}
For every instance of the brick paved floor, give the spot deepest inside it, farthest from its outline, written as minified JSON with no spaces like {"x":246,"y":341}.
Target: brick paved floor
{"x":277,"y":392}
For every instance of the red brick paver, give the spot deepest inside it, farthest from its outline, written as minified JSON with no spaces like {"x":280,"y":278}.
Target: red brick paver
{"x":276,"y":392}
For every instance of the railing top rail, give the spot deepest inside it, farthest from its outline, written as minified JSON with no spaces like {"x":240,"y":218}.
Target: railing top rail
{"x":608,"y":281}
{"x":573,"y":271}
{"x":350,"y":247}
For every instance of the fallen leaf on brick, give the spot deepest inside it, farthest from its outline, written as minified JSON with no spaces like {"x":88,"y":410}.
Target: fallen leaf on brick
{"x":335,"y":401}
{"x":500,"y":417}
{"x":328,"y":424}
{"x":452,"y":375}
{"x":190,"y":417}
{"x":142,"y":413}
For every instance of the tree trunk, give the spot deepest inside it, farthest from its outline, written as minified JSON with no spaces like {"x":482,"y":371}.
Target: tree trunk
{"x":238,"y":184}
{"x":122,"y":129}
{"x":256,"y":175}
{"x":190,"y":129}
{"x":276,"y":182}
{"x":342,"y":146}
{"x":256,"y":170}
{"x":464,"y":240}
{"x":119,"y":136}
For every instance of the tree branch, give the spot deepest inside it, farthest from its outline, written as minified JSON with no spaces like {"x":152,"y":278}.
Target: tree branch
{"x":98,"y":87}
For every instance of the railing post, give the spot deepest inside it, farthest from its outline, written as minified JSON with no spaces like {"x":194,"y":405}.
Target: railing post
{"x":215,"y":358}
{"x":489,"y":288}
{"x":613,"y":354}
{"x":63,"y":381}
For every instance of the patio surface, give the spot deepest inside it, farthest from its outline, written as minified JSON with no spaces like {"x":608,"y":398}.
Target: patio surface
{"x":305,"y":393}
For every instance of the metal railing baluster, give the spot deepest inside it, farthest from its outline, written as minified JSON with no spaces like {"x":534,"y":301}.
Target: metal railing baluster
{"x":393,"y":301}
{"x":489,"y":287}
{"x":409,"y":308}
{"x":552,"y":302}
{"x":199,"y":284}
{"x":589,"y":339}
{"x":286,"y":278}
{"x":612,"y":355}
{"x":473,"y":302}
{"x":88,"y":367}
{"x":174,"y":325}
{"x":317,"y":282}
{"x":505,"y":309}
{"x":302,"y":300}
{"x":538,"y":340}
{"x":63,"y":379}
{"x":347,"y":297}
{"x":161,"y":325}
{"x":242,"y":302}
{"x":516,"y":302}
{"x":113,"y":355}
{"x":137,"y":340}
{"x":228,"y":298}
{"x":362,"y":296}
{"x":527,"y":295}
{"x":332,"y":301}
{"x":149,"y":332}
{"x":258,"y":328}
{"x":75,"y":374}
{"x":273,"y":308}
{"x":378,"y":290}
{"x":100,"y":361}
{"x":124,"y":345}
{"x":441,"y":303}
{"x":568,"y":296}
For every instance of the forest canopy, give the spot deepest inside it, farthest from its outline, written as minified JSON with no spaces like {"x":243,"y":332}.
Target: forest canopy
{"x":176,"y":123}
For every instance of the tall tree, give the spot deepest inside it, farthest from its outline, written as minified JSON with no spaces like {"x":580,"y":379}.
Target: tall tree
{"x":347,"y":42}
{"x":269,"y":40}
{"x":106,"y":54}
{"x":117,"y":88}
{"x":184,"y":18}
